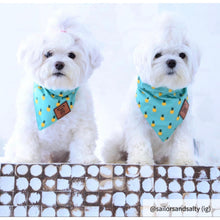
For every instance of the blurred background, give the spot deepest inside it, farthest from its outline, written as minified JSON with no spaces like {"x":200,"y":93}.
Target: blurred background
{"x":118,"y":29}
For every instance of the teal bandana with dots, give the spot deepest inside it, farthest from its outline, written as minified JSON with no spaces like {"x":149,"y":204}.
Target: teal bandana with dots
{"x":163,"y":108}
{"x":51,"y":105}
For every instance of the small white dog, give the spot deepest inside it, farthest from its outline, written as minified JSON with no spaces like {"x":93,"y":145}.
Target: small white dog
{"x":55,"y":120}
{"x":157,"y":126}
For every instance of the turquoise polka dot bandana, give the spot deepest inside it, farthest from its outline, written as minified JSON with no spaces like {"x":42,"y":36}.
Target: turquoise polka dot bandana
{"x":163,"y":108}
{"x":51,"y":105}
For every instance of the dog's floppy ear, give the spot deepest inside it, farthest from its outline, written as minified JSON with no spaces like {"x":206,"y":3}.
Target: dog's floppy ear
{"x":30,"y":52}
{"x":196,"y":53}
{"x":95,"y":57}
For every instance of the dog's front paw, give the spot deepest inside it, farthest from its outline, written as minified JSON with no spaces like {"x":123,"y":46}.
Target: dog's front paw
{"x":84,"y":160}
{"x":140,"y":159}
{"x":183,"y":161}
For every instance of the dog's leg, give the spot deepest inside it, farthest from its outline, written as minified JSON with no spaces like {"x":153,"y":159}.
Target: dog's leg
{"x":22,"y":148}
{"x":137,"y":138}
{"x":183,"y":148}
{"x":82,"y":147}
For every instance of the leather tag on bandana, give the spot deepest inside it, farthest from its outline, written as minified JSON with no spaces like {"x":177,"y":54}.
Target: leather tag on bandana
{"x":62,"y":110}
{"x":184,"y":109}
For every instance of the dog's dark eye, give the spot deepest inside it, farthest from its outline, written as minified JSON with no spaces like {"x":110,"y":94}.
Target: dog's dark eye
{"x":48,"y":54}
{"x":157,"y":55}
{"x":182,"y":55}
{"x":71,"y":55}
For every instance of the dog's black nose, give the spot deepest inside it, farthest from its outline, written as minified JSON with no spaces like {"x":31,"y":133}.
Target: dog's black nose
{"x":59,"y":65}
{"x":171,"y":63}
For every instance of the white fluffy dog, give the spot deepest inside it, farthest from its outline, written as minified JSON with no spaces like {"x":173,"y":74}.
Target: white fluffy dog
{"x":60,"y":59}
{"x":166,"y":62}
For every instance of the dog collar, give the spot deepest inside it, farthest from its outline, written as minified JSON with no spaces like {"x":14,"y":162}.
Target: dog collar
{"x":163,"y":108}
{"x":52,"y":105}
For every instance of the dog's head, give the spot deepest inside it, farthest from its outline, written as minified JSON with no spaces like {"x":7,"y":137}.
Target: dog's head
{"x":61,"y":58}
{"x":168,"y":58}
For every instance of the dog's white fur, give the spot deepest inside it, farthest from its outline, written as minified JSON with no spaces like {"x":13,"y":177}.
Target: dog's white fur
{"x":76,"y":132}
{"x":137,"y":138}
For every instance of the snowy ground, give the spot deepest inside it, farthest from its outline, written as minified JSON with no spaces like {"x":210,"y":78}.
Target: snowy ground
{"x":118,"y":28}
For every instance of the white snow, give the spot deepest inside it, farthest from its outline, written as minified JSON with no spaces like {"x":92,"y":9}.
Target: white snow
{"x":19,"y":199}
{"x":106,"y":199}
{"x":175,"y":196}
{"x":5,"y":198}
{"x":106,"y":171}
{"x":105,"y":213}
{"x":189,"y":186}
{"x":203,"y":175}
{"x":92,"y":184}
{"x":65,"y":171}
{"x":50,"y":183}
{"x":132,"y":171}
{"x":77,"y":199}
{"x":119,"y":212}
{"x":174,"y":186}
{"x":189,"y":172}
{"x":34,"y":211}
{"x":146,"y":171}
{"x":190,"y":196}
{"x":160,"y":185}
{"x":63,"y":212}
{"x":131,"y":212}
{"x":22,"y":183}
{"x":20,"y":211}
{"x":91,"y":211}
{"x":146,"y":199}
{"x":63,"y":198}
{"x":48,"y":212}
{"x":35,"y":183}
{"x":147,"y":184}
{"x":105,"y":184}
{"x":203,"y":200}
{"x":49,"y":198}
{"x":36,"y":170}
{"x":118,"y":199}
{"x":118,"y":170}
{"x":22,"y":169}
{"x":215,"y":200}
{"x":203,"y":186}
{"x":63,"y":184}
{"x":119,"y":183}
{"x":7,"y":183}
{"x":77,"y":212}
{"x":93,"y":170}
{"x":50,"y":170}
{"x":92,"y":198}
{"x":174,"y":172}
{"x":34,"y":197}
{"x":78,"y":185}
{"x":132,"y":199}
{"x":161,"y":171}
{"x":5,"y":210}
{"x":78,"y":171}
{"x":133,"y":184}
{"x":216,"y":186}
{"x":214,"y":173}
{"x":7,"y":169}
